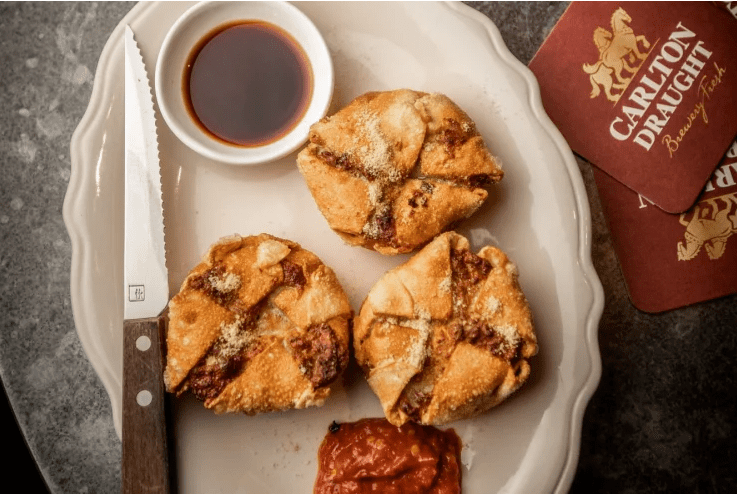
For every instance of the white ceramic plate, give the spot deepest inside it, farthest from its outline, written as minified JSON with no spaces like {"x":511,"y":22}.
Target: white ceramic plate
{"x":539,"y":215}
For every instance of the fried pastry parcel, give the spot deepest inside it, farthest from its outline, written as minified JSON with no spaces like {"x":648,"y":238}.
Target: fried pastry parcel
{"x":446,"y":335}
{"x":259,"y":325}
{"x":393,"y":169}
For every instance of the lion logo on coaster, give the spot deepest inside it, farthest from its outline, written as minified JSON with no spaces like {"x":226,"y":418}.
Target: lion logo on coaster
{"x":617,"y":50}
{"x":711,"y":224}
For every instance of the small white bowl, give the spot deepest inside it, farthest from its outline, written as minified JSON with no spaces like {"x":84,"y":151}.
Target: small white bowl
{"x":190,"y":29}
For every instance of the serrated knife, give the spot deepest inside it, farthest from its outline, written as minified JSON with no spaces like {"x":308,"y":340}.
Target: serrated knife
{"x":145,"y":461}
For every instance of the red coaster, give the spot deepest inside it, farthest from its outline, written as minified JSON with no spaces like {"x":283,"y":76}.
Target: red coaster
{"x":646,"y":91}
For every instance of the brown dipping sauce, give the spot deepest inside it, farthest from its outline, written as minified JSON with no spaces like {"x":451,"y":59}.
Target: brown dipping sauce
{"x":374,"y":456}
{"x":247,"y":83}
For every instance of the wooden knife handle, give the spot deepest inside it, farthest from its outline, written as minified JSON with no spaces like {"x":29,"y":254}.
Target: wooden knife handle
{"x":145,"y":458}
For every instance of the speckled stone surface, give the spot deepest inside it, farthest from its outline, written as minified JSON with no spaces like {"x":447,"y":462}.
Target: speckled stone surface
{"x":664,"y":418}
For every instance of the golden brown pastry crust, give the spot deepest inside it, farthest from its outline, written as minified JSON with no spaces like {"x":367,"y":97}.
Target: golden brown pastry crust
{"x":446,"y":335}
{"x":393,"y":169}
{"x":259,"y":325}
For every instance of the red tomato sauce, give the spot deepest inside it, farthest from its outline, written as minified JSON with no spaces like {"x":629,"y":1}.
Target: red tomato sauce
{"x":374,"y":456}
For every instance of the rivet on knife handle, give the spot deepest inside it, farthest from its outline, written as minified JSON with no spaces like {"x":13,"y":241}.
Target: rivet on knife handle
{"x":145,"y":467}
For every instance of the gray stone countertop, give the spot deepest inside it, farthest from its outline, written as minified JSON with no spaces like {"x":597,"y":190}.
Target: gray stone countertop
{"x":664,"y":417}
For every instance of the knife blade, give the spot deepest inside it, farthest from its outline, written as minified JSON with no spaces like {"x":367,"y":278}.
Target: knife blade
{"x":145,"y":465}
